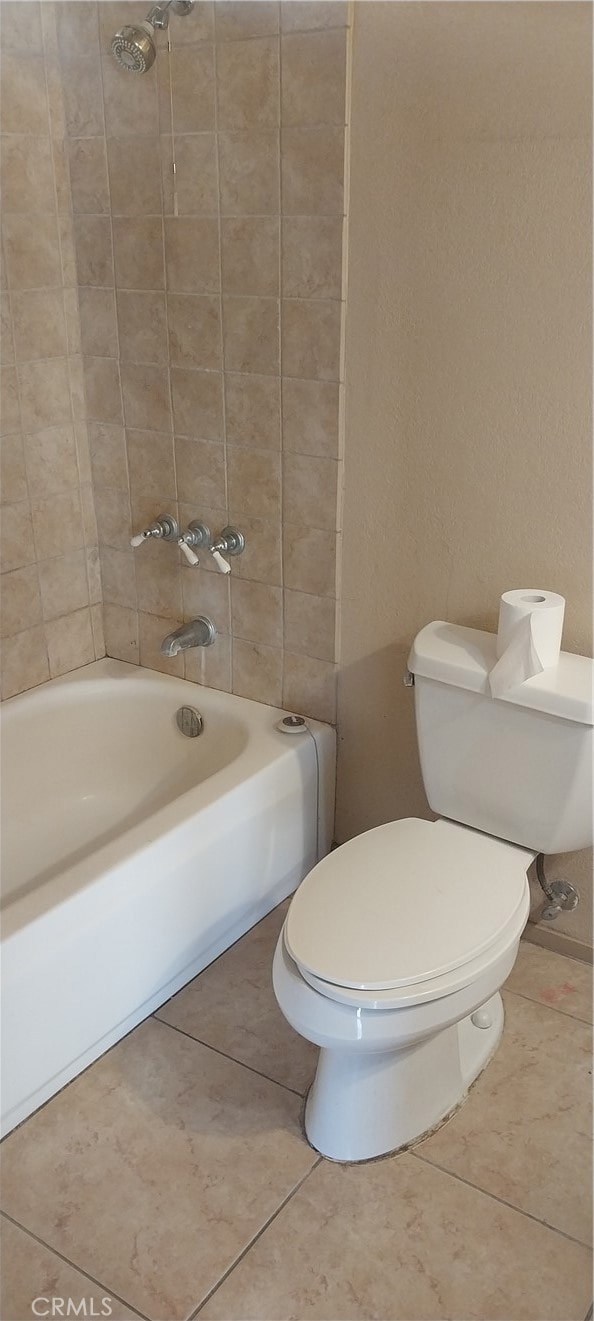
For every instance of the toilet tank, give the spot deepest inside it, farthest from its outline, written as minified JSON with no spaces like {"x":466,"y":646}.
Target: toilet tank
{"x":519,"y":766}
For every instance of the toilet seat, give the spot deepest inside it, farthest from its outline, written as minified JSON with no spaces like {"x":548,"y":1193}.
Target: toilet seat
{"x":407,"y":912}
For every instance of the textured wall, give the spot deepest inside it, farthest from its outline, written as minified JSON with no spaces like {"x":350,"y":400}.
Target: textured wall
{"x":211,"y":319}
{"x":51,"y":619}
{"x":468,"y":356}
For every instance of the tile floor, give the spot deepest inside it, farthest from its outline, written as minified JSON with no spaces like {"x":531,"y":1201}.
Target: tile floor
{"x":172,"y":1178}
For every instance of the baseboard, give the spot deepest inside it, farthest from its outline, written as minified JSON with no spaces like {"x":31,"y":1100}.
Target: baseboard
{"x":558,"y":942}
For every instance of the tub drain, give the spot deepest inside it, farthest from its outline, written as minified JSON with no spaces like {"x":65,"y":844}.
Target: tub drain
{"x":189,"y":721}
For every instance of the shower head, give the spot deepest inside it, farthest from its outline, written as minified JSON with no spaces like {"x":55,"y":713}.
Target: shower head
{"x":134,"y":45}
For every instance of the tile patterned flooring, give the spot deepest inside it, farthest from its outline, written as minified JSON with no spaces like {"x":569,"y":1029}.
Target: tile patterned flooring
{"x":172,"y":1178}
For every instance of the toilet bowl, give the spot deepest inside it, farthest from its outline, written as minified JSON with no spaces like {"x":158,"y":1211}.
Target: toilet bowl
{"x":406,"y":1012}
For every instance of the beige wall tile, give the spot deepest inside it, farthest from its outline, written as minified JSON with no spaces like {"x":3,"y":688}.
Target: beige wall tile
{"x":120,"y":628}
{"x":68,"y":250}
{"x":151,"y":464}
{"x":251,"y":334}
{"x":97,"y":629}
{"x":72,"y":319}
{"x":110,"y":18}
{"x":197,"y":26}
{"x":27,"y":174}
{"x":254,"y":483}
{"x":69,"y":642}
{"x":18,"y":547}
{"x":32,"y":251}
{"x":102,"y":390}
{"x":207,"y":594}
{"x":250,"y":253}
{"x":24,"y":661}
{"x":309,"y":14}
{"x":22,"y":31}
{"x":10,"y":413}
{"x":134,"y":176}
{"x":20,"y":603}
{"x":93,"y":249}
{"x":312,"y":257}
{"x":312,"y":164}
{"x":57,"y":524}
{"x":118,"y":577}
{"x":98,"y":327}
{"x":145,"y":393}
{"x":138,"y":252}
{"x":192,"y":255}
{"x":23,"y":98}
{"x":309,"y":560}
{"x":64,"y":585}
{"x":108,"y":455}
{"x":200,"y":473}
{"x":248,"y":84}
{"x":252,"y":410}
{"x":77,"y":388}
{"x":309,"y":491}
{"x":38,"y":324}
{"x":59,"y":149}
{"x":87,"y":160}
{"x":249,"y":177}
{"x":257,"y":612}
{"x":44,"y":389}
{"x":158,"y":580}
{"x":114,"y":520}
{"x":142,"y":326}
{"x":94,"y":578}
{"x":51,"y":461}
{"x":197,"y":403}
{"x":6,"y":344}
{"x":310,"y":417}
{"x":257,"y":672}
{"x":76,"y":28}
{"x":196,"y":173}
{"x":314,"y":78}
{"x":130,"y":103}
{"x":245,"y":18}
{"x":13,"y":481}
{"x":311,"y":339}
{"x":88,"y":515}
{"x":194,"y":331}
{"x":152,"y":630}
{"x":83,"y":97}
{"x":309,"y":687}
{"x":309,"y":623}
{"x":192,"y":81}
{"x":261,"y":561}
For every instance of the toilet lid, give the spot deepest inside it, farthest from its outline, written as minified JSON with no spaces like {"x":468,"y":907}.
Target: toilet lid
{"x":405,"y":902}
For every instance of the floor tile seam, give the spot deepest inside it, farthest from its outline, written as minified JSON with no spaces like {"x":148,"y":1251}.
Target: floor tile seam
{"x":107,"y":1291}
{"x":564,"y":1013}
{"x":199,"y":1042}
{"x":244,"y":1252}
{"x":502,"y":1201}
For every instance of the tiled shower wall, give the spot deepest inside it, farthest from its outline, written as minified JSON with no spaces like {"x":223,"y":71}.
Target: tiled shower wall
{"x":51,"y":616}
{"x":210,"y":314}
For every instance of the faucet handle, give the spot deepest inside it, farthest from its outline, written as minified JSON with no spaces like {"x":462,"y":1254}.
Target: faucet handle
{"x":164,"y":527}
{"x":222,"y":565}
{"x":186,"y":550}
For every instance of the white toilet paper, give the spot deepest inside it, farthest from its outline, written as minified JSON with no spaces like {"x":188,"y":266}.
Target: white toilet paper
{"x":528,"y":637}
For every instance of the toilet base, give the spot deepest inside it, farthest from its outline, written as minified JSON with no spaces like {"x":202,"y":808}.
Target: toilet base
{"x":361,"y":1106}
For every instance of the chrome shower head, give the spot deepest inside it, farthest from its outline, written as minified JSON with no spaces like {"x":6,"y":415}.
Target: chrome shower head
{"x":134,"y":45}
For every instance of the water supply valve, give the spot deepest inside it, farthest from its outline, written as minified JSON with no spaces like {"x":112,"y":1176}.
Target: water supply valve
{"x":166,"y":528}
{"x":230,"y":541}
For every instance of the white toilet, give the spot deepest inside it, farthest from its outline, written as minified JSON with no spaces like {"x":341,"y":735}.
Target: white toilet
{"x":396,"y":945}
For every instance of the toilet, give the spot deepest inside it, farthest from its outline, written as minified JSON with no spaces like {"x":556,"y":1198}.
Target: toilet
{"x":396,"y":945}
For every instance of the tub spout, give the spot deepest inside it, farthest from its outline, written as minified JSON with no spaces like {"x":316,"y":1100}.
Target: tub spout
{"x":199,"y":632}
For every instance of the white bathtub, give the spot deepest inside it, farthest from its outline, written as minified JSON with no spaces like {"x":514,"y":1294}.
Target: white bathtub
{"x":133,"y":855}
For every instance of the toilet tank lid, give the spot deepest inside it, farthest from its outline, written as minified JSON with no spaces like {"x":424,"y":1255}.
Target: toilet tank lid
{"x":463,"y":658}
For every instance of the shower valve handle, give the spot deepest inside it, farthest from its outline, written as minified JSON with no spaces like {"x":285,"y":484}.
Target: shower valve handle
{"x":186,"y":550}
{"x":164,"y":528}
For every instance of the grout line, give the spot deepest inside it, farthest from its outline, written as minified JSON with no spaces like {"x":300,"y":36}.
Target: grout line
{"x":254,"y":1240}
{"x":224,"y":1053}
{"x":414,"y":1151}
{"x":81,"y":1271}
{"x":553,"y":1008}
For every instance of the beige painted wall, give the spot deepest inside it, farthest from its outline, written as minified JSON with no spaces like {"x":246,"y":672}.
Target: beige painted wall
{"x":468,"y":357}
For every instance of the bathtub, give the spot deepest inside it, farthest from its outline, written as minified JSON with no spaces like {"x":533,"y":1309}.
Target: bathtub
{"x":132,"y":855}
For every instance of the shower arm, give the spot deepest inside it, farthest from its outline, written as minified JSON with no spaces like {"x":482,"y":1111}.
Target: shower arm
{"x":159,"y":14}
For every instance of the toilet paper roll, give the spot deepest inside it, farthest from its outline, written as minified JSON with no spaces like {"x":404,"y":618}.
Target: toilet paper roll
{"x":528,"y":637}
